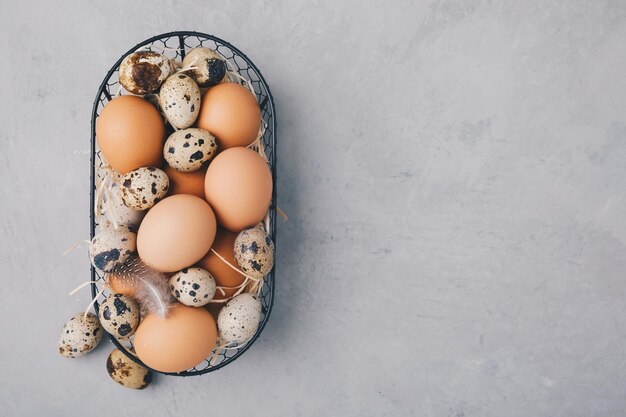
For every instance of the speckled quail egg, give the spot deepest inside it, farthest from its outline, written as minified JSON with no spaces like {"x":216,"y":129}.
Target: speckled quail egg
{"x":127,"y":372}
{"x":254,"y":252}
{"x":186,"y":150}
{"x":116,"y":211}
{"x":209,"y":66}
{"x":180,"y":100}
{"x":193,"y":287}
{"x":111,"y":247}
{"x":80,"y":335}
{"x":119,"y":315}
{"x":144,"y":187}
{"x":144,"y":71}
{"x":239,"y":319}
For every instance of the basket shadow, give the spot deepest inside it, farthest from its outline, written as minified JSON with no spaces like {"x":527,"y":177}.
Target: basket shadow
{"x":288,"y":294}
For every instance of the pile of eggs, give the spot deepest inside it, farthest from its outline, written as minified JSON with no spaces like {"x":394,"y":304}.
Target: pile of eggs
{"x":182,"y":209}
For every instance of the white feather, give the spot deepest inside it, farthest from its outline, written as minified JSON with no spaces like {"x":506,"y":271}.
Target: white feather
{"x":152,"y":289}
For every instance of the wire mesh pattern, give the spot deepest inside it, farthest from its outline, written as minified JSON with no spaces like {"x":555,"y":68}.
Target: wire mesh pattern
{"x":174,"y":45}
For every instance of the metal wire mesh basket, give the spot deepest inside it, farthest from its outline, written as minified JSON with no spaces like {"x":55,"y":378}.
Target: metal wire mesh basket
{"x":175,"y":45}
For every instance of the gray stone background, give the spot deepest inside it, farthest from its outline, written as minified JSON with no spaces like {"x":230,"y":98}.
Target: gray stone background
{"x":454,"y":175}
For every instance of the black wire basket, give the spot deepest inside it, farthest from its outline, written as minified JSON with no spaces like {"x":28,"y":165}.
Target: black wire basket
{"x":175,"y":45}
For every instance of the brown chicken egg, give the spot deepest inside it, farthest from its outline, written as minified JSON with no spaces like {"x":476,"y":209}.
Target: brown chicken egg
{"x":231,"y":113}
{"x":238,"y":186}
{"x":130,"y":134}
{"x":176,"y":233}
{"x":177,"y":342}
{"x":224,"y":275}
{"x":186,"y":182}
{"x":120,"y":285}
{"x":214,"y":309}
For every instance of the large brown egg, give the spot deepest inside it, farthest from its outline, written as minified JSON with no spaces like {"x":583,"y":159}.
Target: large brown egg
{"x":130,"y":133}
{"x":231,"y":113}
{"x":186,"y":182}
{"x":238,"y":185}
{"x":176,"y":233}
{"x":224,"y":275}
{"x":181,"y":340}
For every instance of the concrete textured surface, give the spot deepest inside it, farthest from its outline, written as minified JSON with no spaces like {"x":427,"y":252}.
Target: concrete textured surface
{"x":454,"y":174}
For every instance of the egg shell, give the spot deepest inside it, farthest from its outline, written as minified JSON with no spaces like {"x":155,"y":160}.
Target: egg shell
{"x":142,"y":188}
{"x":238,"y":186}
{"x":127,"y":372}
{"x":80,"y":335}
{"x":210,"y":67}
{"x":239,"y":319}
{"x":214,"y":309}
{"x":187,"y":149}
{"x":193,"y":287}
{"x":180,"y":100}
{"x":111,"y":247}
{"x":119,"y":315}
{"x":254,"y":252}
{"x":186,"y":182}
{"x":116,"y":211}
{"x":130,"y":134}
{"x":144,"y":71}
{"x":154,"y":100}
{"x":224,"y":275}
{"x":231,"y":113}
{"x":181,"y":340}
{"x":176,"y":233}
{"x":119,"y":285}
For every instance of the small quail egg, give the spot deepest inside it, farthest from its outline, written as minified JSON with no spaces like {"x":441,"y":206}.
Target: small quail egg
{"x":254,"y":252}
{"x":119,"y":315}
{"x":180,"y":100}
{"x":239,"y":319}
{"x":144,"y":71}
{"x":210,"y":67}
{"x":80,"y":335}
{"x":186,"y":150}
{"x":111,"y":247}
{"x":127,"y":372}
{"x":144,"y":187}
{"x":193,"y":287}
{"x":116,"y":211}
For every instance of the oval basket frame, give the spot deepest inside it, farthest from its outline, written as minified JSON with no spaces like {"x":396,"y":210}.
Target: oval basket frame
{"x":176,"y":45}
